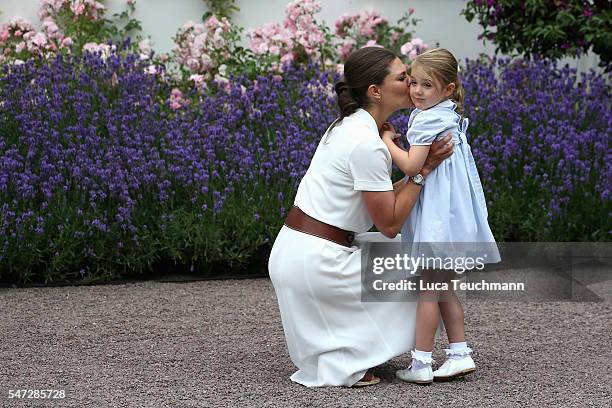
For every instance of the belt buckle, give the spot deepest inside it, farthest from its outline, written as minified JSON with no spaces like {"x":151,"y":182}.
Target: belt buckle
{"x":350,"y":237}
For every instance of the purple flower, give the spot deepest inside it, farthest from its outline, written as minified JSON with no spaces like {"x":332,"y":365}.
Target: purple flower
{"x":97,"y":168}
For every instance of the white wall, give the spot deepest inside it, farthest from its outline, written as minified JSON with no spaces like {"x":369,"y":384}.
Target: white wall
{"x":160,"y":19}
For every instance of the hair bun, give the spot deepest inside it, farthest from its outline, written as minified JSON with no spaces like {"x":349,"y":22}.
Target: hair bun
{"x":364,"y":67}
{"x":346,"y":102}
{"x":341,"y":87}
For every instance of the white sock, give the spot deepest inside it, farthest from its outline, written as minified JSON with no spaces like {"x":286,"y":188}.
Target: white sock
{"x":421,"y":359}
{"x":458,"y":351}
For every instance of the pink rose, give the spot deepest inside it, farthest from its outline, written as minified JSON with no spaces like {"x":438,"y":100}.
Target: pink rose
{"x":372,"y":43}
{"x":287,"y":58}
{"x":417,"y":42}
{"x":39,"y":39}
{"x":211,"y":22}
{"x":406,"y":48}
{"x":78,"y":9}
{"x":197,"y":78}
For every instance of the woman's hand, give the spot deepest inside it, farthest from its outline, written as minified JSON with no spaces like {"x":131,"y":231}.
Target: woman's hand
{"x":439,"y":151}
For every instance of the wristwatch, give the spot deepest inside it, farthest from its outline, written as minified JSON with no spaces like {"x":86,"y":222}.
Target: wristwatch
{"x":418,"y":179}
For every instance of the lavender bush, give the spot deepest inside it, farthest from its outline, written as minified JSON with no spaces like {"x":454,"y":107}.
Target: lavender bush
{"x":98,"y":177}
{"x":541,"y":138}
{"x":101,"y":176}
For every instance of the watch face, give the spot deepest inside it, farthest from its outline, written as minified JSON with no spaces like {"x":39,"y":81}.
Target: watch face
{"x":418,"y":179}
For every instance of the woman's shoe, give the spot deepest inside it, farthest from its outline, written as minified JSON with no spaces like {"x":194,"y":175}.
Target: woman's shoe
{"x":452,"y":369}
{"x":367,"y":379}
{"x":424,"y":376}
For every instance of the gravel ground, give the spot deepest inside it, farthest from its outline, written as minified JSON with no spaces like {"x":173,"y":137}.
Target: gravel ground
{"x":220,"y":344}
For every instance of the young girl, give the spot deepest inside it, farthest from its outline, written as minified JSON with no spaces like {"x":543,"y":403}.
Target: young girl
{"x":451,"y":209}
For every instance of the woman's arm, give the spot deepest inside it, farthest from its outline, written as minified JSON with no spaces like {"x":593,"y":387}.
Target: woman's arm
{"x":398,"y":184}
{"x":389,"y":209}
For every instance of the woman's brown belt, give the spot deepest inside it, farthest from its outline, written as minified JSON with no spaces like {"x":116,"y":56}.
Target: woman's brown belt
{"x":300,"y":221}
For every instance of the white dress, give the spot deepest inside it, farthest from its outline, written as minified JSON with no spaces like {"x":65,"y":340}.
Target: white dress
{"x":333,"y":337}
{"x":452,"y":207}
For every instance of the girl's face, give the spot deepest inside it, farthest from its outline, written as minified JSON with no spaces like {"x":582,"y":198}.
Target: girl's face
{"x":394,"y":89}
{"x":425,"y":91}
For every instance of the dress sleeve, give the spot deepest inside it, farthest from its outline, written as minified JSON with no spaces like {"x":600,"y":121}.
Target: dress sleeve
{"x":369,"y":165}
{"x":425,"y":127}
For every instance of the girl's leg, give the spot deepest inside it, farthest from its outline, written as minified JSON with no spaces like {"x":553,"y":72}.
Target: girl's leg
{"x":453,"y":316}
{"x":427,"y":320}
{"x":459,"y":361}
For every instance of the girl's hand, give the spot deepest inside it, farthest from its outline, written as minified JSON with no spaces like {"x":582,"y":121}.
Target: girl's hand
{"x":438,"y":152}
{"x":388,"y":135}
{"x":387,"y":126}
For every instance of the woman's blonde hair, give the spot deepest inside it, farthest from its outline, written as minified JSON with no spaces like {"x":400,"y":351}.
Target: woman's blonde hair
{"x":441,"y":65}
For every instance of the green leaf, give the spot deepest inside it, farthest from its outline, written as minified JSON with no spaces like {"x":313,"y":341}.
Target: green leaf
{"x":565,"y":18}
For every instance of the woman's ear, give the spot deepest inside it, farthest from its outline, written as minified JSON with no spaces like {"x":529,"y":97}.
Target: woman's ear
{"x":374,"y":93}
{"x":450,"y":89}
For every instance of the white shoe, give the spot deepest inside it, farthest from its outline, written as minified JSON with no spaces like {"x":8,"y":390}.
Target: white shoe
{"x":454,"y":368}
{"x":423,"y":376}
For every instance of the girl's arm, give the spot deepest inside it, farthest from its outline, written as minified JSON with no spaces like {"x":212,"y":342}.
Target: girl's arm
{"x":409,"y":161}
{"x":424,"y":127}
{"x":389,"y":209}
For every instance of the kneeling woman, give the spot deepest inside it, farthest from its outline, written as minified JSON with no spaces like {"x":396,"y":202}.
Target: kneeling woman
{"x":333,"y":338}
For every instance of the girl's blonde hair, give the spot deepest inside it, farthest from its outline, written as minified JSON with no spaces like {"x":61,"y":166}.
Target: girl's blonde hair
{"x":440,"y":64}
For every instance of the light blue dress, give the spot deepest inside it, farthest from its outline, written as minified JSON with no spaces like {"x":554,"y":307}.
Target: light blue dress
{"x":451,"y":208}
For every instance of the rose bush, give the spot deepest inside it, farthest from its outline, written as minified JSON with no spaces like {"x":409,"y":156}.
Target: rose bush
{"x":550,"y":28}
